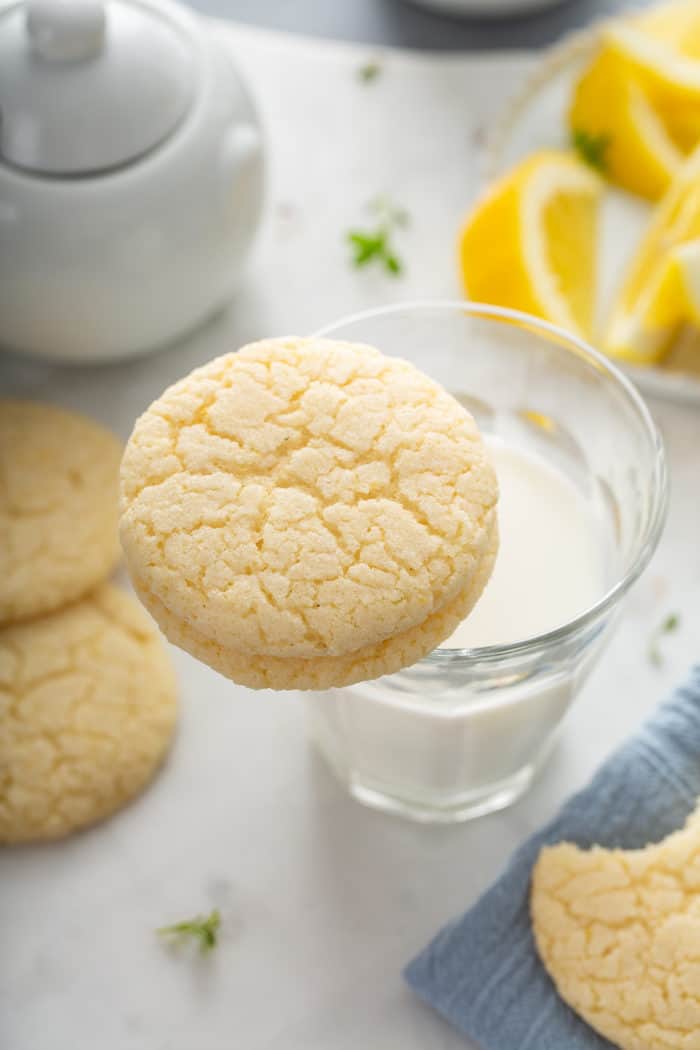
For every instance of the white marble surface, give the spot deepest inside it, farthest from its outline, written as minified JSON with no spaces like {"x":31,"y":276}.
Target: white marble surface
{"x":322,"y":901}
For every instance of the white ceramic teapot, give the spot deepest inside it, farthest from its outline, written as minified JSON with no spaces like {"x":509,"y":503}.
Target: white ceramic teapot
{"x":131,"y":176}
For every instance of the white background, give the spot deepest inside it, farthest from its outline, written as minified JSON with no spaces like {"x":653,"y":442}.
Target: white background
{"x":323,"y":902}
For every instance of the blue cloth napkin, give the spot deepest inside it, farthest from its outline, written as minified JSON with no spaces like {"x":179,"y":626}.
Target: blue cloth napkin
{"x":482,"y":971}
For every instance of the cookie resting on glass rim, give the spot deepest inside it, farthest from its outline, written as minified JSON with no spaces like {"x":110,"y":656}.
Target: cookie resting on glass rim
{"x":303,"y":501}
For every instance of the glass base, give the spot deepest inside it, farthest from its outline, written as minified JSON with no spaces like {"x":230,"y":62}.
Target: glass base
{"x":498,"y":796}
{"x":422,"y":760}
{"x":449,"y":809}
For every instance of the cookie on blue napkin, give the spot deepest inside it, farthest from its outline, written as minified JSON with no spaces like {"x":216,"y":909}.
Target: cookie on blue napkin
{"x":483,"y":972}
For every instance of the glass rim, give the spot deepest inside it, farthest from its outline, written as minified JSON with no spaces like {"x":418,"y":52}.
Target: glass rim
{"x":567,"y":342}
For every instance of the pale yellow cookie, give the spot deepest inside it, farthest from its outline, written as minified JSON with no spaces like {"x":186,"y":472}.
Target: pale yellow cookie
{"x":304,"y":499}
{"x":619,"y":933}
{"x":87,"y":711}
{"x":325,"y":672}
{"x":59,"y":498}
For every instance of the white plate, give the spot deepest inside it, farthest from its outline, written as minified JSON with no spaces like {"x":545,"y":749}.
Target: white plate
{"x":535,"y":119}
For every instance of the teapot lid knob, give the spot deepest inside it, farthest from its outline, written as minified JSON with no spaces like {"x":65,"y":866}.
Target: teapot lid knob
{"x":66,"y":30}
{"x":88,"y":86}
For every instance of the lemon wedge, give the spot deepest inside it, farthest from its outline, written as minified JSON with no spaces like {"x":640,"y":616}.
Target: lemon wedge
{"x":676,"y":24}
{"x":530,"y":242}
{"x":661,"y":53}
{"x":609,"y":105}
{"x":662,"y":289}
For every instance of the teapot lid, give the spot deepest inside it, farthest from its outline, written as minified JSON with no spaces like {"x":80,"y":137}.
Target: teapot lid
{"x":90,"y":85}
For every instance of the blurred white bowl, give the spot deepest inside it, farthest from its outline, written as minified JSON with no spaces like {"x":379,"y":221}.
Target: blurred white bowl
{"x":486,"y":8}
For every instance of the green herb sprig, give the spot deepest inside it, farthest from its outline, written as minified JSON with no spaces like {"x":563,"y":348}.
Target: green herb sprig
{"x":203,"y":928}
{"x":668,"y":625}
{"x":369,"y":72}
{"x":375,"y":245}
{"x":591,"y":149}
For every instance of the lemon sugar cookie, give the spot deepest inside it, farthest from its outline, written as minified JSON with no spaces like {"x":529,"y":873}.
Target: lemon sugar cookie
{"x":258,"y":671}
{"x":303,"y":501}
{"x":87,"y":711}
{"x":59,"y":498}
{"x":619,"y":933}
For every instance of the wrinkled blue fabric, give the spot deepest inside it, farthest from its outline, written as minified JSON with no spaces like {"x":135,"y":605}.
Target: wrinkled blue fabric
{"x":482,"y":971}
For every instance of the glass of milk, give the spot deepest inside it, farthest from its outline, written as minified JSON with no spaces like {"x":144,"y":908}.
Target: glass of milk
{"x":583,"y":500}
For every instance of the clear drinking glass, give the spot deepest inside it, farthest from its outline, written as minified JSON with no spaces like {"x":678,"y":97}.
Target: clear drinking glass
{"x":462,"y":732}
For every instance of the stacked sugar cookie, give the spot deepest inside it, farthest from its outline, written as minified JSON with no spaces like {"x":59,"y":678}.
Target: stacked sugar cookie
{"x":87,"y":694}
{"x":305,"y":514}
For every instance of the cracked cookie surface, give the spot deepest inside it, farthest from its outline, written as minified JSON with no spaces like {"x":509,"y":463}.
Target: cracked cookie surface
{"x":59,"y":499}
{"x":325,"y":672}
{"x":87,"y":711}
{"x":304,"y":499}
{"x":619,"y":933}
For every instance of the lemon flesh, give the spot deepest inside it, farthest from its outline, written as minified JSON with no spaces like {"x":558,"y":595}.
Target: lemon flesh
{"x":668,"y":76}
{"x":661,"y":291}
{"x":675,"y":24}
{"x":609,"y":103}
{"x":530,"y":242}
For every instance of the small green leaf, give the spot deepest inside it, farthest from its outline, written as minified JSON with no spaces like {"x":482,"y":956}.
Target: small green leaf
{"x":375,"y":244}
{"x":667,"y":626}
{"x":367,"y":246}
{"x":202,"y":928}
{"x":591,"y":148}
{"x":369,"y":72}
